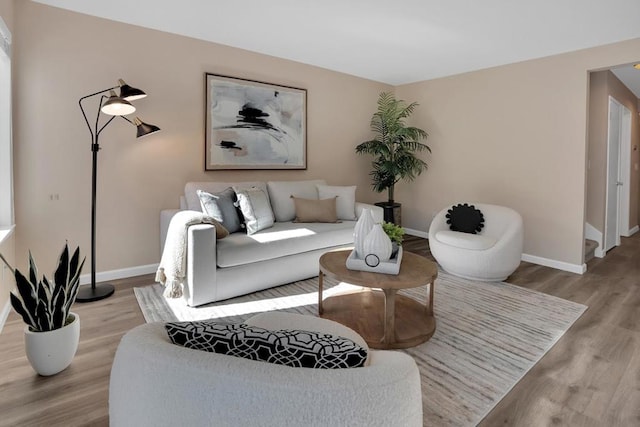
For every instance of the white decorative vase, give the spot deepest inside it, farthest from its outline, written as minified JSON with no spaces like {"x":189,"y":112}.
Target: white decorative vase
{"x":378,"y":243}
{"x":51,"y":352}
{"x":363,"y":227}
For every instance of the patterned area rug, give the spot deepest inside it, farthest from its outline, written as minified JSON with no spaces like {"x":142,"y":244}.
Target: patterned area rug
{"x":488,"y":335}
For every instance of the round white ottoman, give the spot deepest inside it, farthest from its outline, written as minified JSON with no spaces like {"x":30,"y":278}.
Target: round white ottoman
{"x":154,"y":382}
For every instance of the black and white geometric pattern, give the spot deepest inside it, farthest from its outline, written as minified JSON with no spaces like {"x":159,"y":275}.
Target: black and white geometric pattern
{"x":302,"y":349}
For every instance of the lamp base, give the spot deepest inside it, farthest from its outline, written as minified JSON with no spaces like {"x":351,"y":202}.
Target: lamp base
{"x":89,"y":294}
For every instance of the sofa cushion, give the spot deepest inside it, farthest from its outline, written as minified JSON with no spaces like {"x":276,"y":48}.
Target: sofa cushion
{"x":308,"y":210}
{"x":191,"y":196}
{"x":289,"y":347}
{"x":346,"y":202}
{"x":255,"y":208}
{"x":283,"y":239}
{"x":280,"y":193}
{"x":221,"y":206}
{"x":476,"y":242}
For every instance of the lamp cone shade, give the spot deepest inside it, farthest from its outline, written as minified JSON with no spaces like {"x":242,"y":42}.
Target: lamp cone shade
{"x":116,"y":106}
{"x":144,"y":129}
{"x":130,"y":93}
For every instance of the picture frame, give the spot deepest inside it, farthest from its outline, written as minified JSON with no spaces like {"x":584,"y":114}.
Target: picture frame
{"x":251,"y":124}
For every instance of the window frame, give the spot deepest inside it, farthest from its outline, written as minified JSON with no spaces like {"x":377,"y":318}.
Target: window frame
{"x":7,"y":216}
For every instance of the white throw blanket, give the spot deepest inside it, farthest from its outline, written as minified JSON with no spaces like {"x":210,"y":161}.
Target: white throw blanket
{"x":172,"y":270}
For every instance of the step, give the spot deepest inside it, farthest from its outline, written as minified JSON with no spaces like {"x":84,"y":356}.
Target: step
{"x":589,"y":249}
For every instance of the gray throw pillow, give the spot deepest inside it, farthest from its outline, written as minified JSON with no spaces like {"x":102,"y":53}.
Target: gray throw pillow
{"x":221,"y":206}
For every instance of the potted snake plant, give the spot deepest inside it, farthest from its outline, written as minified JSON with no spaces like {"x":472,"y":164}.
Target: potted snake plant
{"x":53,"y":330}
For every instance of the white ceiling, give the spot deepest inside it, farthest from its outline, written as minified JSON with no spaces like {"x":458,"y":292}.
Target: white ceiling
{"x":391,"y":41}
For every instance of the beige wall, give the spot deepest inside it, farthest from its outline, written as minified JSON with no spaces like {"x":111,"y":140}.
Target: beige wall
{"x":7,"y":247}
{"x":597,"y":150}
{"x":602,"y":85}
{"x":513,"y":135}
{"x":63,"y":55}
{"x":6,"y":11}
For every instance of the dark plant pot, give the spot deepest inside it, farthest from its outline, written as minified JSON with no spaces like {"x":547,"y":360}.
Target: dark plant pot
{"x":394,"y":249}
{"x":392,"y":212}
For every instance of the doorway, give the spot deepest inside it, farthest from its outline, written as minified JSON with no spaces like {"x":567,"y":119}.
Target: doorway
{"x":618,"y":174}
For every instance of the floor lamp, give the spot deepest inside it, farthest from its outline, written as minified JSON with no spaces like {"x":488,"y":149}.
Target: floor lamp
{"x":112,"y":105}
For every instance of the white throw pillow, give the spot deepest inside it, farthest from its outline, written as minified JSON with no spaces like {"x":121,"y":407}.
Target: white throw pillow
{"x":280,"y":193}
{"x":255,"y":207}
{"x":345,"y":202}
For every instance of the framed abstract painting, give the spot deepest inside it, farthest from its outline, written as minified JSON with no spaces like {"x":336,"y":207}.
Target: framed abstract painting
{"x":254,"y":125}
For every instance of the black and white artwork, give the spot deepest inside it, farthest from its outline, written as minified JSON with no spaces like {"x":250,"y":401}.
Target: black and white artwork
{"x":254,"y":125}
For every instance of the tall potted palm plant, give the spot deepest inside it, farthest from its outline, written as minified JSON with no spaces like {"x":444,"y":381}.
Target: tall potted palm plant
{"x":394,"y":150}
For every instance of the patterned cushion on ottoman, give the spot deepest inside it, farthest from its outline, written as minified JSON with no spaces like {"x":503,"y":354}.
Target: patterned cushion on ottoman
{"x":294,"y":348}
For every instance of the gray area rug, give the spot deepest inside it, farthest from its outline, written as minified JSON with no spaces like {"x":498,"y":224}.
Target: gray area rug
{"x":488,"y":335}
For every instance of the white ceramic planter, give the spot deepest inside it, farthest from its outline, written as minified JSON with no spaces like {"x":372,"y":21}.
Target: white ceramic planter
{"x":378,"y":243}
{"x":362,"y":228}
{"x":52,"y":351}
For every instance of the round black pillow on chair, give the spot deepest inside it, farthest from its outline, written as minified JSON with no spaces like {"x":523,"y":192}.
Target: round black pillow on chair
{"x":465,"y":218}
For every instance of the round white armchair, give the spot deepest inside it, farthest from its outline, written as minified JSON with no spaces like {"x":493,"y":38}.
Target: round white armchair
{"x":491,"y":255}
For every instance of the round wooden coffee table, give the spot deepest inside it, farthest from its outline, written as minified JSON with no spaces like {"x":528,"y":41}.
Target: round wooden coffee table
{"x":383,"y":318}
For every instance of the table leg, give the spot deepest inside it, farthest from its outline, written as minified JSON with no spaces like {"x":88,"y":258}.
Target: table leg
{"x":389,"y":316}
{"x":430,"y":307}
{"x":320,"y":280}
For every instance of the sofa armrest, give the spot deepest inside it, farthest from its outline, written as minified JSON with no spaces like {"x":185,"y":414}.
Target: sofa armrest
{"x":200,"y":286}
{"x":165,"y":219}
{"x":377,"y":211}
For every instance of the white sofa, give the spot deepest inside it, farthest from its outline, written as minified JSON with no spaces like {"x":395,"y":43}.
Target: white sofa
{"x":156,"y":383}
{"x":241,"y":263}
{"x":491,"y":255}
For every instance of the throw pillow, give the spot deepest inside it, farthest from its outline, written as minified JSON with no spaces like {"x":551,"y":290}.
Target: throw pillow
{"x":345,"y":202}
{"x":255,"y":208}
{"x":221,"y":206}
{"x":280,"y":193}
{"x":302,"y":349}
{"x":309,"y":210}
{"x":465,"y":218}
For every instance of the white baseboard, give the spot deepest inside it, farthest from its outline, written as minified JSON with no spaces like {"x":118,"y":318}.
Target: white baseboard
{"x":103,"y":276}
{"x":122,"y":273}
{"x":559,"y":265}
{"x":632,"y":231}
{"x":4,"y":314}
{"x":417,"y":233}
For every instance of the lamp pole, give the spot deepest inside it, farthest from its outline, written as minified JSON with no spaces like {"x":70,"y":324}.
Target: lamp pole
{"x":104,"y":290}
{"x":115,"y":106}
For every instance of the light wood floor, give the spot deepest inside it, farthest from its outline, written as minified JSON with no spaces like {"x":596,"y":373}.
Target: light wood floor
{"x":590,"y":378}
